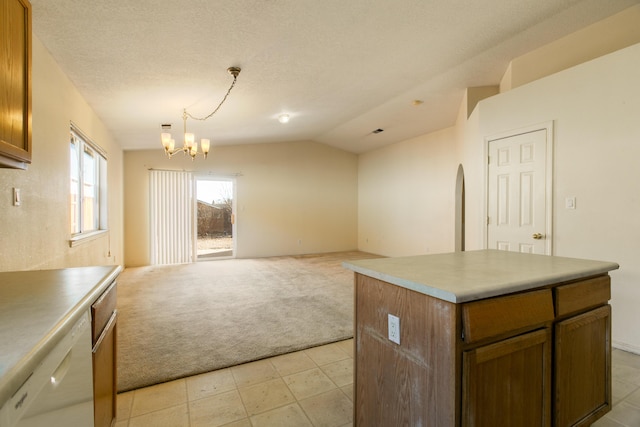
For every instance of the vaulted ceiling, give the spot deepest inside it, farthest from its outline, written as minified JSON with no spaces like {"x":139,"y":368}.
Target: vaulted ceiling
{"x":339,"y":68}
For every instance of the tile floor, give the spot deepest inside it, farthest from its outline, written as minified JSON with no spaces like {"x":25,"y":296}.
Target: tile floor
{"x":313,"y":387}
{"x":625,"y":372}
{"x":308,"y":388}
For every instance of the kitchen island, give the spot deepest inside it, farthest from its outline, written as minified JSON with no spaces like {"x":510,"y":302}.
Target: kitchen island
{"x":482,"y":338}
{"x":38,"y":311}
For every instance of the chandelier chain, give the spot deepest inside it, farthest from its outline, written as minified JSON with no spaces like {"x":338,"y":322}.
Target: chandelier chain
{"x":189,"y":146}
{"x":235,"y":77}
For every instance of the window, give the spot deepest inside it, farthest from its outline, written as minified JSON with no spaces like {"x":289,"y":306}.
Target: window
{"x":88,"y":187}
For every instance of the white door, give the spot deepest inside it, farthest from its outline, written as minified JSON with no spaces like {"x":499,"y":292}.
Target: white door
{"x":519,"y":193}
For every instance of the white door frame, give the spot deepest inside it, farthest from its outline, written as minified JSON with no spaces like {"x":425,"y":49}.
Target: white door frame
{"x":548,"y":127}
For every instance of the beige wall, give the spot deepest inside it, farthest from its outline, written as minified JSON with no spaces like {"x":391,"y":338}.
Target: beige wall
{"x":595,"y":108}
{"x":616,"y":32}
{"x":292,"y":197}
{"x":36,"y":234}
{"x":406,"y":196}
{"x":406,"y":190}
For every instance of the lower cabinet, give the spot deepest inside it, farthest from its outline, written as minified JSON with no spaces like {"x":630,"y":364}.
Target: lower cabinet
{"x":104,"y":375}
{"x":536,"y":358}
{"x":582,"y":384}
{"x":514,"y":373}
{"x":104,"y":322}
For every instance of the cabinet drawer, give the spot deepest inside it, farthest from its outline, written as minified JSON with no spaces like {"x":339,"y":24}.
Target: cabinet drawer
{"x":496,"y":316}
{"x":581,"y":295}
{"x":101,"y":311}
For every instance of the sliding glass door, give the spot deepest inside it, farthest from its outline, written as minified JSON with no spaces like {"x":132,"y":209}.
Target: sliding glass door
{"x":215,"y":200}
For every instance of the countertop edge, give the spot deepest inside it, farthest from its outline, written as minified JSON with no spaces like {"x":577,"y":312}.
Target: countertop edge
{"x":14,"y":378}
{"x":526,"y":285}
{"x":480,"y":293}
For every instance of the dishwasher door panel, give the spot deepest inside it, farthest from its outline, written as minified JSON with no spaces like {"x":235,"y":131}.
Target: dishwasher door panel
{"x":66,"y":398}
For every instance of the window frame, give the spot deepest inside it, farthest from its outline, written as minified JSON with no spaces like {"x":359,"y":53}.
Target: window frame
{"x":85,"y":144}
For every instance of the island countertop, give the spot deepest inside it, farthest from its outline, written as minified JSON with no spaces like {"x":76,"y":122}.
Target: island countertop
{"x":37,"y":308}
{"x":468,"y":276}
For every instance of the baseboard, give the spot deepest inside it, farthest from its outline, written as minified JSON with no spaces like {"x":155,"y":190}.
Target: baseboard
{"x":626,"y":347}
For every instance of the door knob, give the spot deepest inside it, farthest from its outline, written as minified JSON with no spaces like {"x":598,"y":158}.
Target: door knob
{"x":537,"y":236}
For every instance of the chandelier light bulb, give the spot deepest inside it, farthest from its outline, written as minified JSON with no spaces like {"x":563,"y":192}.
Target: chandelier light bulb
{"x":189,"y":139}
{"x":166,"y":139}
{"x":205,"y":143}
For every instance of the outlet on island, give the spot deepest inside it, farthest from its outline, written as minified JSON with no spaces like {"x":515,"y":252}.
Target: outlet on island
{"x":394,"y":329}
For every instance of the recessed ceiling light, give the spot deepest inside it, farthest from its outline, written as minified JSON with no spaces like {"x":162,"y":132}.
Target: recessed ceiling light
{"x":283,"y":118}
{"x":417,"y":102}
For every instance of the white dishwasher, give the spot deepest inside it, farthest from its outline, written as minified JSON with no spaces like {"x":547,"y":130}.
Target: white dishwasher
{"x":59,"y":392}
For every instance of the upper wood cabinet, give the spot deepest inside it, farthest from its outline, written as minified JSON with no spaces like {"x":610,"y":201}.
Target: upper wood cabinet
{"x":15,"y":83}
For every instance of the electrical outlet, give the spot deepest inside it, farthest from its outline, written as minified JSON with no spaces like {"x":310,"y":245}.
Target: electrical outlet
{"x":394,"y":329}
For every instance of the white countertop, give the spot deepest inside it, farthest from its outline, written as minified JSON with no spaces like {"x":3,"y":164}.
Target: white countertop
{"x":467,"y":276}
{"x":37,"y":308}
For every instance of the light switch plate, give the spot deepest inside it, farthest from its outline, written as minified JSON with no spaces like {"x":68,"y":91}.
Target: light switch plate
{"x":16,"y":197}
{"x":570,"y":203}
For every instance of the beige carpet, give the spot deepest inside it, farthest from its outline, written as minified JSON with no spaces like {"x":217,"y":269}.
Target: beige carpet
{"x":182,"y":320}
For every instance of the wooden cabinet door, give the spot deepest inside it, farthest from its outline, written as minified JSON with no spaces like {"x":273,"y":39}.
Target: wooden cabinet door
{"x":104,"y":375}
{"x":583,"y":368}
{"x":15,"y":83}
{"x":508,"y":383}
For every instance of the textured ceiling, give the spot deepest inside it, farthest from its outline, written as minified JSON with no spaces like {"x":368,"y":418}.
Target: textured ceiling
{"x":340,"y":68}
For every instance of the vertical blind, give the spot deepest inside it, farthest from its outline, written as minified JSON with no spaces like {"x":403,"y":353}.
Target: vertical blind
{"x":172,"y":217}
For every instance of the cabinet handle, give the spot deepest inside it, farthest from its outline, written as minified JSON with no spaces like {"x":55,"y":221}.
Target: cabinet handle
{"x":106,"y":329}
{"x":537,"y":236}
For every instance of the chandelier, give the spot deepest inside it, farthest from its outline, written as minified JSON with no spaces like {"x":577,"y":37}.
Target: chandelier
{"x":189,"y":145}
